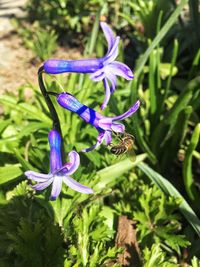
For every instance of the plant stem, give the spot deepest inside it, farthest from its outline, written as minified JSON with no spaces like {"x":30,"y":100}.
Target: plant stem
{"x":52,"y":110}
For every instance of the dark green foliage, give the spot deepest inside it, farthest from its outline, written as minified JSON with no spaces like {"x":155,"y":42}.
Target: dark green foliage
{"x":158,"y":221}
{"x":29,"y":235}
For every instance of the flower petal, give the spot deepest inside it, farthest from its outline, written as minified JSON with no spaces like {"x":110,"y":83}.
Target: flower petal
{"x":74,"y":160}
{"x":109,"y":35}
{"x":100,"y":139}
{"x":77,"y":186}
{"x":113,"y":53}
{"x":118,"y":127}
{"x":120,"y":69}
{"x":108,"y":137}
{"x":98,"y":75}
{"x":107,"y":96}
{"x":38,"y":177}
{"x":41,"y":186}
{"x":56,"y":187}
{"x":105,"y":123}
{"x":113,"y":80}
{"x":128,"y":113}
{"x":55,"y":150}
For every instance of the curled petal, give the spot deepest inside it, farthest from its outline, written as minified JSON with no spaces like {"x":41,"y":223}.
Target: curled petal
{"x":108,"y":137}
{"x":77,"y":186}
{"x":118,"y":127}
{"x":74,"y":160}
{"x":105,"y":123}
{"x":41,"y":186}
{"x":100,"y":138}
{"x":107,"y":96}
{"x":120,"y":69}
{"x":38,"y":177}
{"x":109,"y":35}
{"x":128,"y":113}
{"x":56,"y":187}
{"x":113,"y":53}
{"x":98,"y":75}
{"x":113,"y":80}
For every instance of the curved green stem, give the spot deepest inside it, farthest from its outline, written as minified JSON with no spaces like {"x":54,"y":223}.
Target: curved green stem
{"x":52,"y":110}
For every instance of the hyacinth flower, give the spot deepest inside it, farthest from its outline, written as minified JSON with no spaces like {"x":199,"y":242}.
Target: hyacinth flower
{"x":103,"y":69}
{"x":104,"y":125}
{"x":59,"y":172}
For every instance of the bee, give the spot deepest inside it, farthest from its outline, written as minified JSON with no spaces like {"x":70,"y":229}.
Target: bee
{"x":124,"y":146}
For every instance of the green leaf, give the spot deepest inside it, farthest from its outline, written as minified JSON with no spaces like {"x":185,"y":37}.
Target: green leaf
{"x":25,"y":164}
{"x":9,"y":173}
{"x":187,"y":166}
{"x":169,"y":189}
{"x":143,"y":59}
{"x":109,"y":174}
{"x":30,"y":110}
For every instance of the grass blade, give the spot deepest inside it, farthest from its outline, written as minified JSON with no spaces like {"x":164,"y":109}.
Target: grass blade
{"x":111,"y":173}
{"x":143,"y":59}
{"x":187,"y":166}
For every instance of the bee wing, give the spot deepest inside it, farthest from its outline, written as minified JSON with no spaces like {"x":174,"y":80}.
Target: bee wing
{"x":132,"y":155}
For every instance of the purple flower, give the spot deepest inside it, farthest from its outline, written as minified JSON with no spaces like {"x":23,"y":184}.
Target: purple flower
{"x":59,"y":173}
{"x":103,"y":69}
{"x":104,"y":125}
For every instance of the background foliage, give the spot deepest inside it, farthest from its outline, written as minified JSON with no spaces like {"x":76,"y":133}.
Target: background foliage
{"x":159,"y":192}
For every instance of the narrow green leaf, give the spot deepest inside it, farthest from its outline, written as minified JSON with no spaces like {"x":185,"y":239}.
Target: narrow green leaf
{"x":171,"y":147}
{"x":134,"y":86}
{"x":170,"y":190}
{"x":187,"y":166}
{"x":165,"y":127}
{"x":4,"y":124}
{"x":172,"y":65}
{"x":143,"y":59}
{"x":31,"y":110}
{"x":152,"y":84}
{"x":9,"y":173}
{"x":109,"y":174}
{"x":25,"y":164}
{"x":32,"y":128}
{"x":94,"y":34}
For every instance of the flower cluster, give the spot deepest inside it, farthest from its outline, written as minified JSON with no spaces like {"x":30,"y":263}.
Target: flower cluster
{"x":101,"y":69}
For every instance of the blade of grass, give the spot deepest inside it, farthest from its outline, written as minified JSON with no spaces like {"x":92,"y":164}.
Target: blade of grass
{"x":111,"y":173}
{"x":187,"y":166}
{"x":94,"y":34}
{"x":138,"y":130}
{"x":9,"y":173}
{"x":173,"y":61}
{"x":164,"y":128}
{"x":143,"y":59}
{"x":170,"y":150}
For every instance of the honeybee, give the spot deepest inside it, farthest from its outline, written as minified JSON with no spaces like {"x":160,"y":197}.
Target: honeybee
{"x":124,"y":146}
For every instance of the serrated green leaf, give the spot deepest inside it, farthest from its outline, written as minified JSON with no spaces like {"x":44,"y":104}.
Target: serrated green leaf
{"x":169,"y":189}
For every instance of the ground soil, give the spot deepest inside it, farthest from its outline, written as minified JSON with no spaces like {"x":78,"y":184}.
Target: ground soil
{"x":18,"y":65}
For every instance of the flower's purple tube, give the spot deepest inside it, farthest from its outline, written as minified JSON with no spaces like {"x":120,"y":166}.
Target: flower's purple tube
{"x":56,"y":66}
